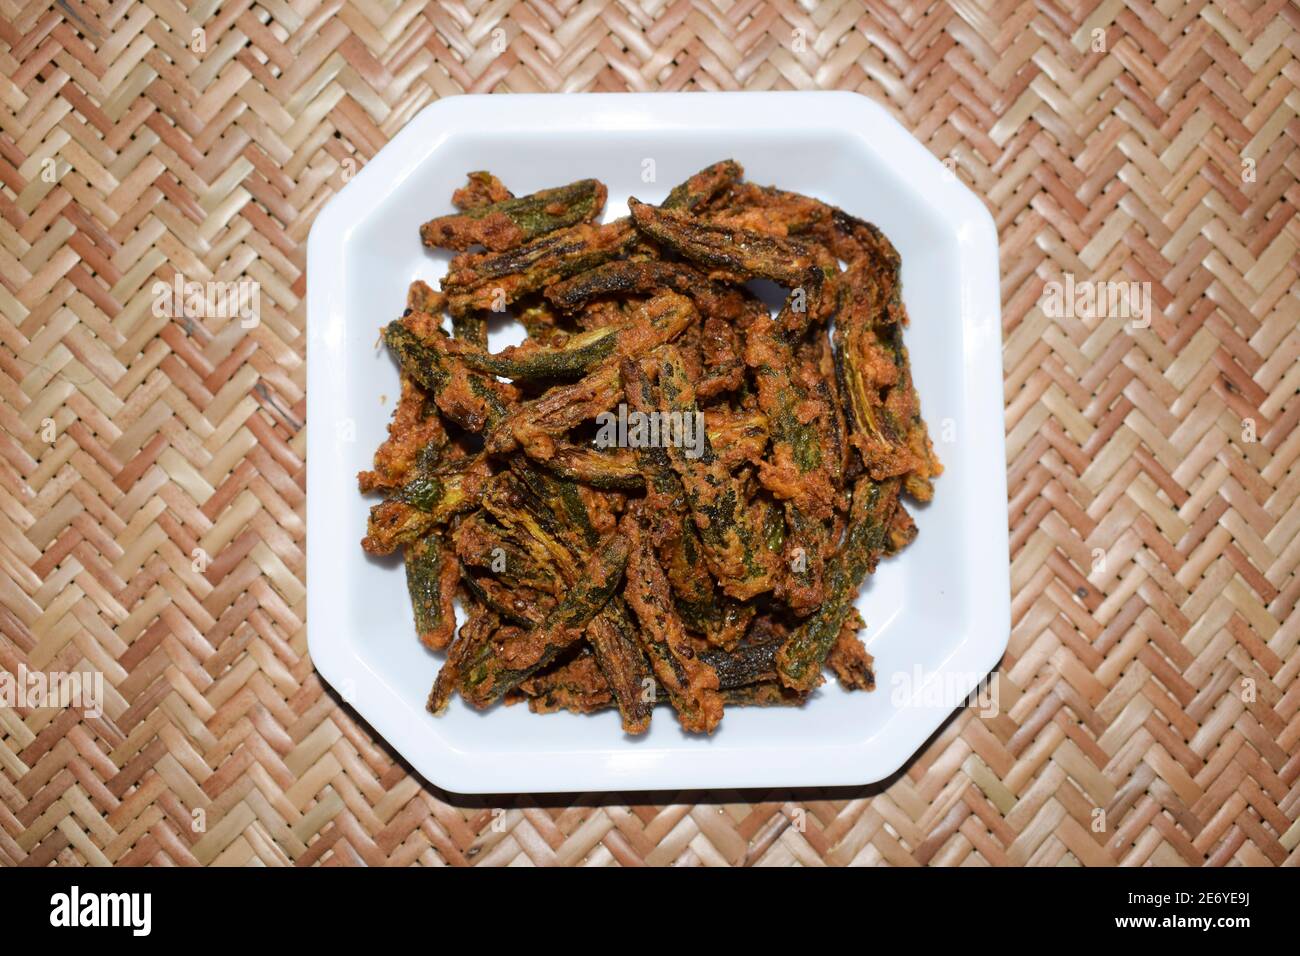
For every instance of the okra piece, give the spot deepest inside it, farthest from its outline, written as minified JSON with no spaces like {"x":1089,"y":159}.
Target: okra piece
{"x":661,"y":319}
{"x":474,"y":635}
{"x":521,"y":606}
{"x":722,"y":622}
{"x":531,"y":522}
{"x":614,"y":642}
{"x":652,"y":276}
{"x":482,"y":544}
{"x":715,"y":499}
{"x":492,"y":280}
{"x":467,"y":397}
{"x":703,"y":186}
{"x":424,"y":502}
{"x":737,"y":252}
{"x":799,"y":661}
{"x":431,"y":576}
{"x":497,"y":670}
{"x":853,"y":667}
{"x":749,"y":664}
{"x":615,"y":468}
{"x":576,"y":685}
{"x":691,"y":685}
{"x":771,"y":694}
{"x":532,"y":362}
{"x":481,"y":189}
{"x":415,"y":435}
{"x":470,"y":327}
{"x":511,"y":222}
{"x":799,"y":469}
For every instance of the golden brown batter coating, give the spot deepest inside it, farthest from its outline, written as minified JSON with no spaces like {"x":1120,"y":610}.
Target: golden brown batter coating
{"x":708,"y":553}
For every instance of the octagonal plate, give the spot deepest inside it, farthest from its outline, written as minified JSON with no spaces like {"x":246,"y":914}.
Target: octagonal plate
{"x":938,"y":616}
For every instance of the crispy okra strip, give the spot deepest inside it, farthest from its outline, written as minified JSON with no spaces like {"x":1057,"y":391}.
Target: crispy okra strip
{"x":767,"y":209}
{"x":691,"y":685}
{"x":613,"y":640}
{"x":533,"y":362}
{"x":881,"y":404}
{"x":492,"y":280}
{"x":731,"y":306}
{"x":422,"y":297}
{"x":511,"y":222}
{"x":535,"y":425}
{"x":415,"y":434}
{"x":716,"y":500}
{"x":484,"y":545}
{"x":737,"y":252}
{"x":748,"y":664}
{"x":615,"y":468}
{"x":703,"y":186}
{"x":517,"y":605}
{"x":471,"y":399}
{"x":853,"y":667}
{"x":660,"y":319}
{"x":530,"y":521}
{"x":563,"y":499}
{"x":481,"y":189}
{"x":428,"y":499}
{"x":799,"y":661}
{"x":498,"y":669}
{"x":799,"y":469}
{"x":577,"y":685}
{"x":722,"y":621}
{"x":431,"y":576}
{"x":475,"y":634}
{"x":471,"y":327}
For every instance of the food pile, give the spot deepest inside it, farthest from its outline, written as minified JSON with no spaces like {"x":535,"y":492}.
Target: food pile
{"x":666,"y":493}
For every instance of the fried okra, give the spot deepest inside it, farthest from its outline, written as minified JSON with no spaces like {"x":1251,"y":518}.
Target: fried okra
{"x":667,"y":493}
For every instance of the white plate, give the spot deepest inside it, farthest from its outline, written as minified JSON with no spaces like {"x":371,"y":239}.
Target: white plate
{"x":938,"y":616}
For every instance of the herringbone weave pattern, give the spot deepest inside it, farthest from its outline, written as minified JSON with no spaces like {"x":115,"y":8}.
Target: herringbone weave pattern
{"x":1149,"y":694}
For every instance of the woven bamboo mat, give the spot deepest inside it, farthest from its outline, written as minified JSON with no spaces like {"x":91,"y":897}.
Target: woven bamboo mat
{"x":1149,"y":694}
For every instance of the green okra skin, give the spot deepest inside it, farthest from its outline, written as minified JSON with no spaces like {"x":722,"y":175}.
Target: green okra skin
{"x":431,"y":576}
{"x":538,"y":363}
{"x":800,"y":660}
{"x":612,"y":637}
{"x":506,"y":224}
{"x":562,"y":499}
{"x":484,"y":545}
{"x":662,"y":318}
{"x":494,"y":671}
{"x":532,"y":522}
